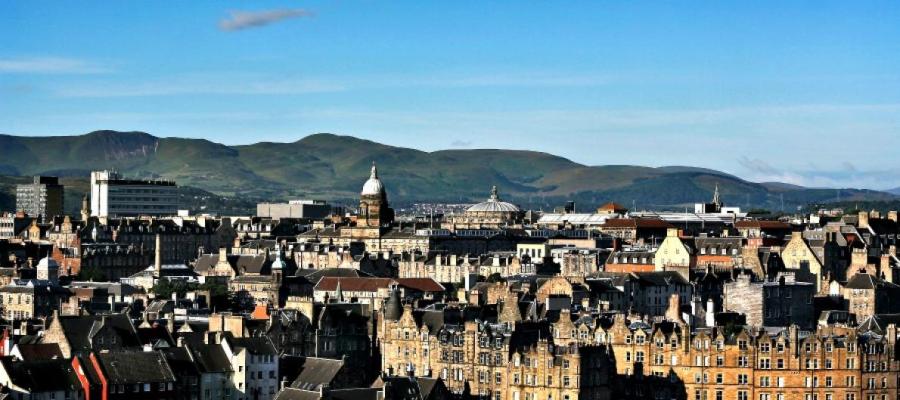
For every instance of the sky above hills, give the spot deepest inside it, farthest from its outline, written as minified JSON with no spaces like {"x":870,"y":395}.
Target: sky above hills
{"x":805,"y":93}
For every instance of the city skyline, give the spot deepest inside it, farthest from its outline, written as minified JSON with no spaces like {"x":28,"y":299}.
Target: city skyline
{"x":764,"y":93}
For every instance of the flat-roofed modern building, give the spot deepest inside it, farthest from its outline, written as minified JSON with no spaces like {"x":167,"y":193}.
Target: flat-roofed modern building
{"x":312,"y":209}
{"x":43,"y":198}
{"x":113,"y":196}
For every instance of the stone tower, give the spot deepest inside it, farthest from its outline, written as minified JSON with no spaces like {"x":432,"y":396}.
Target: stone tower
{"x":373,"y":204}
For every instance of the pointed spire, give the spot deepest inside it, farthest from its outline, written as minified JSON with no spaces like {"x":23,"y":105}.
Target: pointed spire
{"x":716,"y":195}
{"x":374,"y":174}
{"x":338,"y":293}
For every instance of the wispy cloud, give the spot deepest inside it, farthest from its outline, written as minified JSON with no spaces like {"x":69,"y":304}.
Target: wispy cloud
{"x":203,"y":84}
{"x":257,"y":84}
{"x":238,"y":20}
{"x":49,"y":65}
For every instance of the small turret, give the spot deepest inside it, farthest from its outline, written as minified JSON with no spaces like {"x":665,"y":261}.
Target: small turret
{"x":85,"y":209}
{"x":393,"y":310}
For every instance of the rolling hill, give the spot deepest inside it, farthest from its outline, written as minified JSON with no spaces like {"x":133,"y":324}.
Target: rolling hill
{"x":334,"y":167}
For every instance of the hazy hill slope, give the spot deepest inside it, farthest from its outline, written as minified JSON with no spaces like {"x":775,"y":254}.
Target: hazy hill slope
{"x":334,"y":167}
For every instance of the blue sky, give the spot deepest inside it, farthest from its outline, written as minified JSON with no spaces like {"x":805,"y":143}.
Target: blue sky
{"x":805,"y":92}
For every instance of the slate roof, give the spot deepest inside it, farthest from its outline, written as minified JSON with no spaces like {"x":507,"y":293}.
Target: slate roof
{"x":130,"y":367}
{"x":374,"y":284}
{"x":253,"y":345}
{"x":315,"y":372}
{"x":40,"y":351}
{"x":660,"y":278}
{"x":290,"y":393}
{"x":42,"y":376}
{"x":878,"y":323}
{"x":179,"y":359}
{"x":80,"y":329}
{"x":240,"y":263}
{"x":866,"y":281}
{"x":315,"y":274}
{"x":211,"y":358}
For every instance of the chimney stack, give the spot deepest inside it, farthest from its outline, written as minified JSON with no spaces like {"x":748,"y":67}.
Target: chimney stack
{"x":157,"y":260}
{"x":863,"y":221}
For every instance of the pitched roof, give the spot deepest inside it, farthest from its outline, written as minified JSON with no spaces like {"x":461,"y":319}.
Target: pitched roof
{"x":866,"y":281}
{"x":290,"y":393}
{"x":211,"y":358}
{"x":354,"y":284}
{"x":80,"y":329}
{"x":315,"y":372}
{"x":39,"y":351}
{"x":129,"y":367}
{"x":422,"y":284}
{"x":42,"y":376}
{"x":254,"y":345}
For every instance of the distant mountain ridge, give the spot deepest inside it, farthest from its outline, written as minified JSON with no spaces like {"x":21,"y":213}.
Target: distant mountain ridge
{"x":334,"y":167}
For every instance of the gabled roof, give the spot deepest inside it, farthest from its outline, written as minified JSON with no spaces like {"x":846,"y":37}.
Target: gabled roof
{"x":79,"y":330}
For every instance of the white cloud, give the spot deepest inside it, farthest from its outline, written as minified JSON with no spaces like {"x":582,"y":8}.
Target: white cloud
{"x":49,"y":65}
{"x":251,"y":19}
{"x":204,"y":85}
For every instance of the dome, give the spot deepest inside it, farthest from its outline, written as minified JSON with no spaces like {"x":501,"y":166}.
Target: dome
{"x":373,"y":186}
{"x":493,"y":204}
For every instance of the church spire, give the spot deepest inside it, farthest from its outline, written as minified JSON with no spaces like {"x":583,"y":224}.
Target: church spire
{"x":716,"y":199}
{"x":374,"y":174}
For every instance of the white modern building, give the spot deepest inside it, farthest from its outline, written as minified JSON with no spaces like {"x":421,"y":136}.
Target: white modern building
{"x":312,"y":209}
{"x":113,"y":196}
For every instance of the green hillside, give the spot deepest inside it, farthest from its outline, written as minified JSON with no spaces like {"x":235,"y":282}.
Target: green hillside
{"x":334,"y":167}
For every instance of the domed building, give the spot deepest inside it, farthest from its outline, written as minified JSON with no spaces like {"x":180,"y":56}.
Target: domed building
{"x":373,"y":204}
{"x":491,"y":214}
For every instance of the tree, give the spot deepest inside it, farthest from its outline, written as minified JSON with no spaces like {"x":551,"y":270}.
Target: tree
{"x":93,"y":273}
{"x":164,"y":288}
